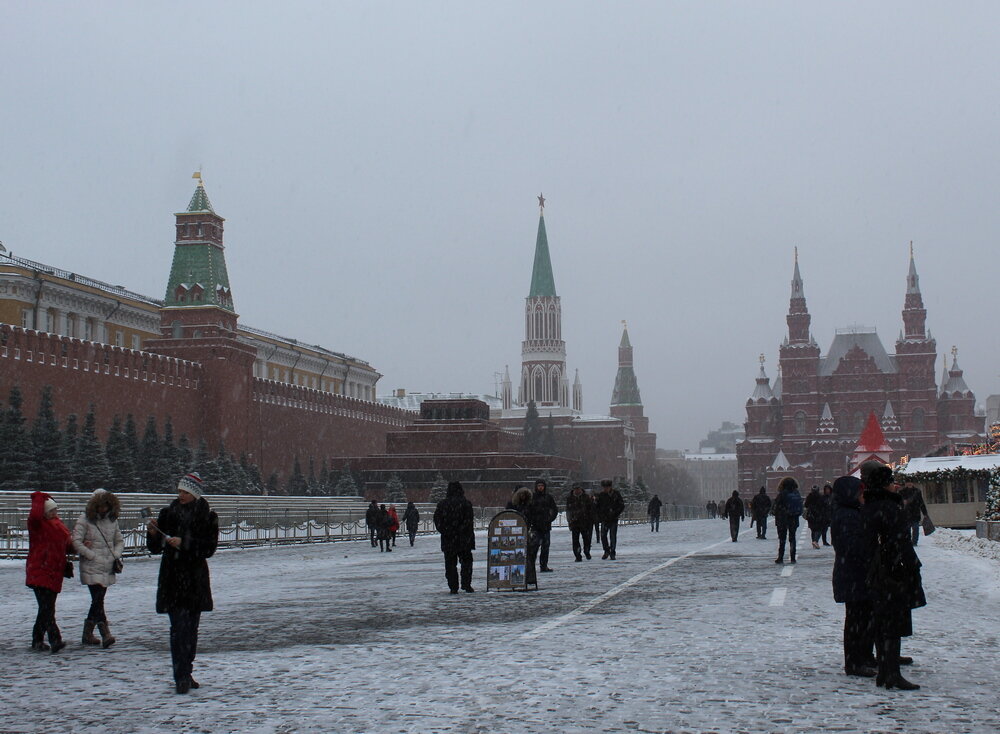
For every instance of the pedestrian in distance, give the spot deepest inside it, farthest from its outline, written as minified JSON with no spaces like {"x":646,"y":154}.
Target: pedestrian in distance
{"x":735,"y":512}
{"x":411,"y":518}
{"x":49,"y":543}
{"x":393,"y":524}
{"x":653,"y":511}
{"x":454,"y":519}
{"x":760,"y":508}
{"x":98,"y":540}
{"x":816,"y":514}
{"x":893,"y":577}
{"x":710,"y":509}
{"x":914,"y":507}
{"x":186,"y":535}
{"x":580,"y":518}
{"x":828,"y":511}
{"x":521,"y":501}
{"x":544,"y":512}
{"x":382,"y":525}
{"x":371,"y":521}
{"x":609,"y":506}
{"x":787,"y":509}
{"x":850,"y":568}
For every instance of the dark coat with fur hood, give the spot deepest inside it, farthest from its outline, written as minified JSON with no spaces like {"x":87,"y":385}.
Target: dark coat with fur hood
{"x":893,"y":577}
{"x":184,"y":581}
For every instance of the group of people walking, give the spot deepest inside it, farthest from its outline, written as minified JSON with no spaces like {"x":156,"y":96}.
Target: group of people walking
{"x":185,"y":534}
{"x":383,"y":524}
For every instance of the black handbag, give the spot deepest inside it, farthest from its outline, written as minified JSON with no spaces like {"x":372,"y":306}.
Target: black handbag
{"x":68,"y":569}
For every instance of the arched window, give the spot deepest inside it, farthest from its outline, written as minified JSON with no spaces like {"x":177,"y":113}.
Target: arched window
{"x":539,"y":380}
{"x":800,"y":421}
{"x":859,"y":421}
{"x":918,"y":419}
{"x":176,"y":330}
{"x":538,"y":325}
{"x":554,"y":381}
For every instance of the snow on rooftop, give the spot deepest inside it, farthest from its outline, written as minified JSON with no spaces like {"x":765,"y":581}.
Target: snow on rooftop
{"x":922,"y":464}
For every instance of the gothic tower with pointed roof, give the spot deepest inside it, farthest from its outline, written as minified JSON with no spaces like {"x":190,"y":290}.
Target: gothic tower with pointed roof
{"x":798,"y":362}
{"x":626,"y":404}
{"x":198,"y":322}
{"x":543,"y":351}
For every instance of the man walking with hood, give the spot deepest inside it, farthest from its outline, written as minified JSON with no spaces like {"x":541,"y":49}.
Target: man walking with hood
{"x":760,"y":507}
{"x":544,"y":511}
{"x":735,"y":512}
{"x":454,"y":519}
{"x":787,"y":511}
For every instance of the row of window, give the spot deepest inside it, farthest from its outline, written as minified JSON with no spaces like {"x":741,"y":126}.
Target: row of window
{"x":280,"y":374}
{"x":543,"y":324}
{"x":77,"y":327}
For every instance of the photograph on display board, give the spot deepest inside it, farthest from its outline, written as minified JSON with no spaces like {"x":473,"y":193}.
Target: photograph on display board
{"x":506,"y":553}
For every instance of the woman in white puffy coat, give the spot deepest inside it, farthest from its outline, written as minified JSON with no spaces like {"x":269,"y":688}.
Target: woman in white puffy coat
{"x":99,"y":542}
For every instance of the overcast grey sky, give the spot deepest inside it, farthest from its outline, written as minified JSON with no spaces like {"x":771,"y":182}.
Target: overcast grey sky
{"x":378,"y":163}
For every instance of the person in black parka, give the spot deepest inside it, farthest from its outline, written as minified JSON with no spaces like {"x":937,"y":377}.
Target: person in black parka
{"x":411,"y":518}
{"x":455,"y":520}
{"x":893,"y":577}
{"x":817,"y":514}
{"x":735,"y":512}
{"x":580,"y":519}
{"x":760,"y":508}
{"x":544,"y":511}
{"x":186,"y":533}
{"x":850,"y":569}
{"x":653,"y":511}
{"x":787,"y":509}
{"x":371,"y":520}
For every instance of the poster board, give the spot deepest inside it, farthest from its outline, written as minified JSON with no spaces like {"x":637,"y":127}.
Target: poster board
{"x":507,"y":552}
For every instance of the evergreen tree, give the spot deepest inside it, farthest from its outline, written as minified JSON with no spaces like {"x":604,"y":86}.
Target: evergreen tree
{"x":171,"y":462}
{"x":148,"y":465}
{"x":439,"y":490}
{"x":51,"y":472}
{"x":297,"y":482}
{"x":92,"y":470}
{"x":273,"y":488}
{"x":345,"y":484}
{"x":549,"y":438}
{"x":132,"y":438}
{"x":532,"y":429}
{"x":70,"y":446}
{"x":201,"y":457}
{"x":395,"y":491}
{"x":119,"y":459}
{"x":185,"y":459}
{"x":324,"y":480}
{"x":254,"y":483}
{"x":312,"y":484}
{"x":15,"y":445}
{"x":992,"y":511}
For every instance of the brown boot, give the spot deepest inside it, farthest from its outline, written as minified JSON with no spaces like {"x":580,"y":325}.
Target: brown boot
{"x":88,"y":634}
{"x":107,"y":639}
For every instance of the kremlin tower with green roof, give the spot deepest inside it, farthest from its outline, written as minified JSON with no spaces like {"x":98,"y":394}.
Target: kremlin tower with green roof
{"x":544,"y":378}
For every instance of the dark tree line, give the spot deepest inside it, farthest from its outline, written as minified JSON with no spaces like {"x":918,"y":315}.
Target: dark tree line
{"x":50,"y":457}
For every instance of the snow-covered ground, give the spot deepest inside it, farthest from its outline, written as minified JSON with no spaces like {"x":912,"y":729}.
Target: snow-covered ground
{"x":685,"y":632}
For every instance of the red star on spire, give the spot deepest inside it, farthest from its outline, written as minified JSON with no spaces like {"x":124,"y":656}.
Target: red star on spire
{"x":541,"y":201}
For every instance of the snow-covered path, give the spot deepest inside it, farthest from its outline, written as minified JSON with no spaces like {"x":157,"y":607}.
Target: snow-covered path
{"x":686,"y":631}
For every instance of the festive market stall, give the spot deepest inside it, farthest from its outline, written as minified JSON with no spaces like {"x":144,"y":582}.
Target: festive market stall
{"x":955,"y":488}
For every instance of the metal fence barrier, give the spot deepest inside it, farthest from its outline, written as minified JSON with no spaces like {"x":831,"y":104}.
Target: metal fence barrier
{"x":246,"y":521}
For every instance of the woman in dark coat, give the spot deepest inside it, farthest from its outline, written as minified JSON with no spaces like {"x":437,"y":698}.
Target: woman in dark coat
{"x":411,"y":518}
{"x":850,"y":568}
{"x":187,"y":534}
{"x":817,"y":513}
{"x":893,"y":577}
{"x":49,"y":541}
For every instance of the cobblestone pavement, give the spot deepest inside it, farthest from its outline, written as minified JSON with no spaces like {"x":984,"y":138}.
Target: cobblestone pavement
{"x":689,"y":633}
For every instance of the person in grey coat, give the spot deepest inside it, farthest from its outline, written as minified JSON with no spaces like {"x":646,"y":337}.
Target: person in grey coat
{"x":98,"y":541}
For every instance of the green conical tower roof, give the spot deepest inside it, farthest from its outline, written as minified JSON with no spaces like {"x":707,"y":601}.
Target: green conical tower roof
{"x":199,"y":200}
{"x":626,"y":390}
{"x":542,"y":282}
{"x":198,"y":274}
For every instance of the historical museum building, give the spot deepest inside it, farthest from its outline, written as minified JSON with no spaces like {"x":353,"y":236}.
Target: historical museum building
{"x":186,"y":357}
{"x":809,"y":423}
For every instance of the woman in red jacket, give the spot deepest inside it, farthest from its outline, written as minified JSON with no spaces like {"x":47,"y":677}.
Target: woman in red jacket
{"x":393,"y":524}
{"x":48,"y":543}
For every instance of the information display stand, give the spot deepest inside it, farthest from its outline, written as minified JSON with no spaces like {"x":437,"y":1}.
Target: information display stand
{"x":507,"y":552}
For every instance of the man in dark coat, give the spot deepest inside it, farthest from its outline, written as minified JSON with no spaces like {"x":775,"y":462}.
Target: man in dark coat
{"x":787,"y":509}
{"x":914,"y":507}
{"x":710,"y":509}
{"x":608,"y":506}
{"x":893,"y":577}
{"x":735,"y":512}
{"x":580,"y":518}
{"x":817,"y":514}
{"x":411,"y":518}
{"x":455,"y":520}
{"x":382,"y":524}
{"x":544,"y":511}
{"x":760,"y":507}
{"x":186,"y":533}
{"x":371,"y":520}
{"x":850,"y":566}
{"x":653,"y":511}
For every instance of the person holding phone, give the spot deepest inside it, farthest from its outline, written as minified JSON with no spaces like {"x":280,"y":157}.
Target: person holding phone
{"x":186,"y":533}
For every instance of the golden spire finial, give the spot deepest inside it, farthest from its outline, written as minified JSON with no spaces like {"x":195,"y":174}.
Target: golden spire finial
{"x":954,"y":355}
{"x":197,"y":175}
{"x":761,"y":358}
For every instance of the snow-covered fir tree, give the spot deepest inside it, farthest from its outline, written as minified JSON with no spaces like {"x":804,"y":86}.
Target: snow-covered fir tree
{"x":345,"y":486}
{"x":439,"y":490}
{"x":395,"y":491}
{"x":91,"y":462}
